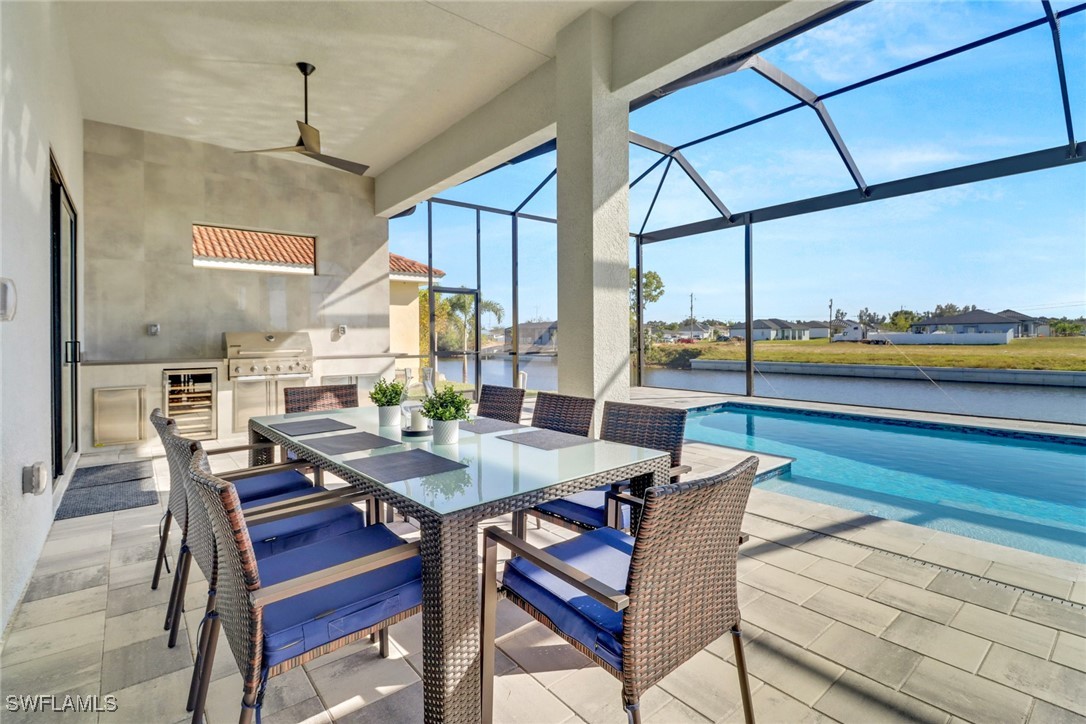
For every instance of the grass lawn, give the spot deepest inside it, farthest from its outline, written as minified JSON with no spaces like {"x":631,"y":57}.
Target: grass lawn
{"x":1042,"y":353}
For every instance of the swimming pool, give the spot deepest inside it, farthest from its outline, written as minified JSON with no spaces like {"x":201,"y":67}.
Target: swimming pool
{"x":1023,"y":490}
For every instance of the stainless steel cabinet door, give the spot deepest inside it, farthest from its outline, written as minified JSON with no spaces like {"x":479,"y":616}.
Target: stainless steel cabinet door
{"x":251,"y":399}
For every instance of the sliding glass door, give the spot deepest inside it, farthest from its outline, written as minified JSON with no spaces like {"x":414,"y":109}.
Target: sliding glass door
{"x":65,"y":340}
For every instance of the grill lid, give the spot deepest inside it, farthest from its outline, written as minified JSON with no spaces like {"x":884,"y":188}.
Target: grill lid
{"x":268,"y":355}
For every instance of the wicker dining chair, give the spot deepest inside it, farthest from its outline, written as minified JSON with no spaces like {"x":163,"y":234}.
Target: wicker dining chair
{"x":500,"y":403}
{"x":323,"y":397}
{"x":276,"y":524}
{"x":639,"y":607}
{"x":274,"y":482}
{"x":284,"y":610}
{"x":659,"y":428}
{"x":313,"y":399}
{"x":564,"y":413}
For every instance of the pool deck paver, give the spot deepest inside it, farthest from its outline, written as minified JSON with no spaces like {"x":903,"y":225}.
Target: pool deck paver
{"x":848,"y":618}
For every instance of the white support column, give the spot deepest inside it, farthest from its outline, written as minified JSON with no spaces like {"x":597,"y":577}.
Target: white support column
{"x":593,"y":216}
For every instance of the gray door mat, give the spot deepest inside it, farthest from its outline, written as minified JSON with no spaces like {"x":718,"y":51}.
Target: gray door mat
{"x":115,"y":473}
{"x":106,"y":498}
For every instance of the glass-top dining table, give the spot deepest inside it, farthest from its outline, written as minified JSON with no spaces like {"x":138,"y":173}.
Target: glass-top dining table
{"x":449,"y":490}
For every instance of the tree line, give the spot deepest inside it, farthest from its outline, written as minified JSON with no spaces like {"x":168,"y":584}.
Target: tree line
{"x":899,"y":320}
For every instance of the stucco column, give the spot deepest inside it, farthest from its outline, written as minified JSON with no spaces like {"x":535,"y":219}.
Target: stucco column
{"x":593,"y":216}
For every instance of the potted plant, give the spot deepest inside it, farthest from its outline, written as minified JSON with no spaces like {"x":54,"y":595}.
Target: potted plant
{"x":387,"y":395}
{"x":446,"y":407}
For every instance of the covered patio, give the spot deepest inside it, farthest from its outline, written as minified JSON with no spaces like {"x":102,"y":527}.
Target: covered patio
{"x":847,"y":618}
{"x":121,"y":127}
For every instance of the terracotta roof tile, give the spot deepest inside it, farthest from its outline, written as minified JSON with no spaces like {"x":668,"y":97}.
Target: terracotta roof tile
{"x":402,"y":265}
{"x":216,"y":242}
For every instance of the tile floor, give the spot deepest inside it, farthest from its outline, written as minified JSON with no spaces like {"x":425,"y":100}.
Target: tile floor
{"x":848,"y":618}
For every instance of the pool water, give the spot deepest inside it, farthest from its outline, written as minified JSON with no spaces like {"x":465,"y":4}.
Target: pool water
{"x":1021,"y":490}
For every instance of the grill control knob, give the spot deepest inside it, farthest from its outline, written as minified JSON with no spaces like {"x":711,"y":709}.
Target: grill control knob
{"x":278,"y":368}
{"x":237,"y":369}
{"x":253,"y":368}
{"x":305,"y":367}
{"x":290,"y":368}
{"x":267,"y":368}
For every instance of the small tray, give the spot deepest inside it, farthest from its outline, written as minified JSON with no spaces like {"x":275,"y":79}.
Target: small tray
{"x":416,"y":433}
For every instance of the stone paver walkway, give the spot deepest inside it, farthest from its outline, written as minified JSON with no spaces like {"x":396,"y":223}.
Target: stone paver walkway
{"x":848,"y":618}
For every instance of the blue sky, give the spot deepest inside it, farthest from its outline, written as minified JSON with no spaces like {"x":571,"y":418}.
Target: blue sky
{"x":1017,"y":242}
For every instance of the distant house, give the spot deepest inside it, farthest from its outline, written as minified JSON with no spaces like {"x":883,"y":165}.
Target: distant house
{"x":1027,"y":326}
{"x":976,"y":321}
{"x":535,"y":337}
{"x":817,"y":330}
{"x":792,"y":331}
{"x":770,"y":329}
{"x":405,"y":277}
{"x":698,"y":333}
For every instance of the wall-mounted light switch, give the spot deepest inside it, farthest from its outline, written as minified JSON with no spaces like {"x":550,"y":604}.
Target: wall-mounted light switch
{"x":153,"y":329}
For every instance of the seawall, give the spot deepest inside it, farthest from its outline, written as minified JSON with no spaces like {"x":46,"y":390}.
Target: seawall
{"x":1044,"y":378}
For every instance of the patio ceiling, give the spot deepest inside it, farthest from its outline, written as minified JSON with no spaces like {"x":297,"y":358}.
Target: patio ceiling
{"x":390,"y":75}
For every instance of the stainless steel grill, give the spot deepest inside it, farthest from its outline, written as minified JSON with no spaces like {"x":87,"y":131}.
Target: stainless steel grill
{"x":268,"y":355}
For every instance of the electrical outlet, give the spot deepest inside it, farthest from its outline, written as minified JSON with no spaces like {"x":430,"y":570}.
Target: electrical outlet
{"x":35,"y":479}
{"x":341,"y":330}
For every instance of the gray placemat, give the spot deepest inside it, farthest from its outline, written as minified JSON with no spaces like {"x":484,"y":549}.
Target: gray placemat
{"x":483,"y":425}
{"x":351,"y":442}
{"x":310,"y":427}
{"x":547,"y":439}
{"x":114,"y":473}
{"x":107,"y":498}
{"x":403,"y":465}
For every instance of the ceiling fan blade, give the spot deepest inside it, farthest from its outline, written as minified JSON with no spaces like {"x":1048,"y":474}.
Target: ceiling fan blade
{"x":282,"y":149}
{"x":311,"y":137}
{"x":339,"y":163}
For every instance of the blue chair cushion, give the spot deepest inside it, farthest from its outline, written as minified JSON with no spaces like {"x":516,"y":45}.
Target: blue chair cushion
{"x":304,"y":622}
{"x":299,"y":530}
{"x":603,"y":554}
{"x":588,"y":508}
{"x":265,"y":486}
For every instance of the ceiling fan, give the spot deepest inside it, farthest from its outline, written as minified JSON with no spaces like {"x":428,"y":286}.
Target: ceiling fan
{"x":309,"y":142}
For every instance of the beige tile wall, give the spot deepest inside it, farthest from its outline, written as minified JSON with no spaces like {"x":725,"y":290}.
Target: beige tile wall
{"x":145,"y":190}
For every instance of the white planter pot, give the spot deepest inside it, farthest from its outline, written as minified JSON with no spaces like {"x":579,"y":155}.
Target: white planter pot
{"x":446,"y":432}
{"x":389,"y":416}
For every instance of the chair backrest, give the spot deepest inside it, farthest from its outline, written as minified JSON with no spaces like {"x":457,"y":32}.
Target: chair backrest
{"x":238,"y":574}
{"x":323,"y":397}
{"x":659,"y":428}
{"x":564,"y":413}
{"x":682,"y":573}
{"x":500,"y":403}
{"x":179,"y":452}
{"x":178,"y":504}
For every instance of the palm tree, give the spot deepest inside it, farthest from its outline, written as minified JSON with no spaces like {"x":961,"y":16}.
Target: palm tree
{"x":462,"y":307}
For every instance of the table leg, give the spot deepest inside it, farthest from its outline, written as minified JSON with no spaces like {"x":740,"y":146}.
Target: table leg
{"x":259,"y":456}
{"x":451,"y":661}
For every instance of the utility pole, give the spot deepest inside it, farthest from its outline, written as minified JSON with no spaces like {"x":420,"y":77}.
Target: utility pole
{"x":691,"y":315}
{"x":831,"y":317}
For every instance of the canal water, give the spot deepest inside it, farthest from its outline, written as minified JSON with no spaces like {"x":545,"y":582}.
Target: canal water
{"x":1021,"y":402}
